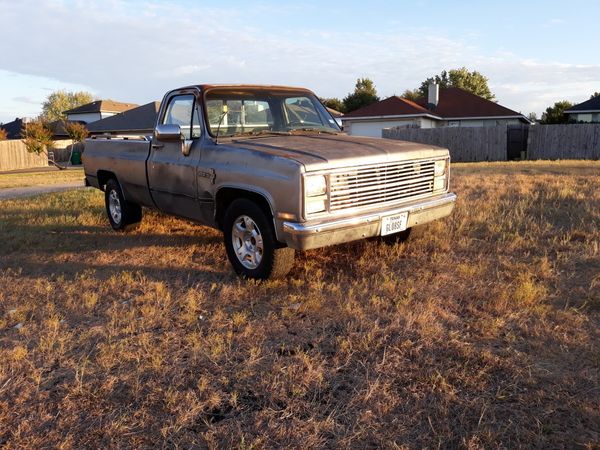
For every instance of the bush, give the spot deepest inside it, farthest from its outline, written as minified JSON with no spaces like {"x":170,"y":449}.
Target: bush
{"x":37,"y":136}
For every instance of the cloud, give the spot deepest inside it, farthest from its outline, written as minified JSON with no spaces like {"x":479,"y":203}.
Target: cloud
{"x":135,"y":51}
{"x":553,"y":22}
{"x":27,"y":100}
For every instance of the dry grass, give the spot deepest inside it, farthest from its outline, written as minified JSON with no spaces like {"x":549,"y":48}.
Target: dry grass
{"x":482,"y":331}
{"x":46,"y":177}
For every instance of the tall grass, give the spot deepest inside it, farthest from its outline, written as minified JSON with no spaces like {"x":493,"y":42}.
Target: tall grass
{"x":481,"y":331}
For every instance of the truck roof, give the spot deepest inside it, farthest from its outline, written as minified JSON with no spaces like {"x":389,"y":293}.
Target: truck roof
{"x":265,"y":87}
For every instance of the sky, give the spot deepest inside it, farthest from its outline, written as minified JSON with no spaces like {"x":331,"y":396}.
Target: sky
{"x":533,"y":52}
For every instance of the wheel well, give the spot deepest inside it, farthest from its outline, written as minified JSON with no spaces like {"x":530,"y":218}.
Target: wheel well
{"x":226,"y":196}
{"x":104,"y":176}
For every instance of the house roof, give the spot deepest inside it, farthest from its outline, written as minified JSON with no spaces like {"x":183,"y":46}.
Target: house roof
{"x":458,"y":103}
{"x":592,"y":105}
{"x":142,"y":118}
{"x":101,"y":106}
{"x":13,"y":129}
{"x":391,"y":106}
{"x":334,"y":112}
{"x":454,"y":103}
{"x":58,"y":128}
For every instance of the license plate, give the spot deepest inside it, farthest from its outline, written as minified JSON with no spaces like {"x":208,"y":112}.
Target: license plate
{"x":394,"y":224}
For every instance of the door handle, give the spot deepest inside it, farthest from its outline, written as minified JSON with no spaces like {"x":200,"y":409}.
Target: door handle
{"x":158,"y":145}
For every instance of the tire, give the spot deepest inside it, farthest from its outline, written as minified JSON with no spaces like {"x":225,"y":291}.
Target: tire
{"x":250,"y":242}
{"x":396,"y":238}
{"x":121,"y":214}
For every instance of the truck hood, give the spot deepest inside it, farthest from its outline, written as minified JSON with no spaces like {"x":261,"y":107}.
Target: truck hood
{"x":325,"y":151}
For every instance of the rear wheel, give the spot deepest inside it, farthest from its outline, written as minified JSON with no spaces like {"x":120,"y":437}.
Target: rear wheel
{"x":121,"y":214}
{"x":250,"y":242}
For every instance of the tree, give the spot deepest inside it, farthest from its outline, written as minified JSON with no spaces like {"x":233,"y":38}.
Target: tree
{"x":364,"y":94}
{"x":532,"y":116}
{"x":556,"y":113}
{"x":38,"y":137}
{"x":462,"y":78}
{"x":60,"y":101}
{"x":76,"y":131}
{"x":412,"y":94}
{"x":3,"y":134}
{"x":333,"y":103}
{"x":594,"y":95}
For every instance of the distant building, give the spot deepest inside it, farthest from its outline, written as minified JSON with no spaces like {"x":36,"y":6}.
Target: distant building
{"x":13,"y":129}
{"x":136,"y":121}
{"x":586,"y":112}
{"x":449,"y":107}
{"x":98,"y":110}
{"x":336,"y":115}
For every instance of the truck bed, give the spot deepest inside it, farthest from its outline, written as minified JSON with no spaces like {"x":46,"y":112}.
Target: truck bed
{"x":123,"y":157}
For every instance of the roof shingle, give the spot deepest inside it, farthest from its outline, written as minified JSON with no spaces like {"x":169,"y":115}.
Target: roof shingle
{"x":593,"y":104}
{"x":453,"y":103}
{"x":456,"y":102}
{"x":102,"y":106}
{"x":391,"y":106}
{"x":140,"y":119}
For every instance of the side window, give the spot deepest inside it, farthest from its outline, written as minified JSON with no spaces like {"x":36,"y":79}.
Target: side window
{"x":196,"y":128}
{"x":181,"y":111}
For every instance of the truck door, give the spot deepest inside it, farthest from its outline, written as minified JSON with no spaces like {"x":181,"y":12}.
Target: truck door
{"x":172,"y":172}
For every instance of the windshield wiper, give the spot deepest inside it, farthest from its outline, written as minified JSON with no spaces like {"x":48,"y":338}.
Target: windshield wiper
{"x":260,"y":133}
{"x":318,"y":130}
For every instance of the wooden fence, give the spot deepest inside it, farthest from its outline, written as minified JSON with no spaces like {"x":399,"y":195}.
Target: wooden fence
{"x":464,"y":143}
{"x":573,"y":141}
{"x":14,"y":155}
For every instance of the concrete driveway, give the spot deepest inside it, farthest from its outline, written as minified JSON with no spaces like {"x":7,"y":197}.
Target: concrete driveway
{"x":19,"y":192}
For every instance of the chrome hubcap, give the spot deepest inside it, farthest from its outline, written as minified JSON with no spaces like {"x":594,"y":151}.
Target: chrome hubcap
{"x":114,"y":206}
{"x":247,"y":242}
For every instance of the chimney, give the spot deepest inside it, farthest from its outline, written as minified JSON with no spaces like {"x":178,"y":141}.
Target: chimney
{"x":434,"y":96}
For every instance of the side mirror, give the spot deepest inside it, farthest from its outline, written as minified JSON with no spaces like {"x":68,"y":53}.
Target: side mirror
{"x":168,"y":132}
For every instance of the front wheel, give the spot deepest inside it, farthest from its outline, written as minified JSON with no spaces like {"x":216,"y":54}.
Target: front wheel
{"x":250,"y":242}
{"x":121,"y":214}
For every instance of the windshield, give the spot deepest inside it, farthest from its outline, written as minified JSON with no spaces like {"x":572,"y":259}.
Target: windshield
{"x":239,"y":111}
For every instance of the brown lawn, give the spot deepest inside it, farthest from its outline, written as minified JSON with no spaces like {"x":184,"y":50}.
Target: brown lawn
{"x":482,"y":331}
{"x":41,"y":178}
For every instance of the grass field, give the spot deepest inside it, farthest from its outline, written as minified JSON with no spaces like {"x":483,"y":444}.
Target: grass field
{"x":24,"y":179}
{"x":483,"y":331}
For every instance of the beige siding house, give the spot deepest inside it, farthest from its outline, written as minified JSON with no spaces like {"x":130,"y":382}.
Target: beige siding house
{"x":98,"y":110}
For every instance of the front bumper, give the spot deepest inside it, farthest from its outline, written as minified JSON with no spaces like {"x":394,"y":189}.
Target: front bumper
{"x":305,"y":236}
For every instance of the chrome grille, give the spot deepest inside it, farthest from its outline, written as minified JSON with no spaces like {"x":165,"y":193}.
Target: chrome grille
{"x":383,"y":183}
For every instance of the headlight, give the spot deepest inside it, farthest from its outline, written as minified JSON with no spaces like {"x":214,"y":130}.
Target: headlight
{"x":315,"y":205}
{"x":440,"y":172}
{"x":439,"y":183}
{"x":315,"y":185}
{"x":440,"y":167}
{"x":315,"y":194}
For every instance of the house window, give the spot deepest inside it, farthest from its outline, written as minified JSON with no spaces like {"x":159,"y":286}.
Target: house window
{"x":584,"y":118}
{"x":454,"y":123}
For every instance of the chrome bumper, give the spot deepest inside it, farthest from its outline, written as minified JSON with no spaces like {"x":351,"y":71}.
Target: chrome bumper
{"x":305,"y":236}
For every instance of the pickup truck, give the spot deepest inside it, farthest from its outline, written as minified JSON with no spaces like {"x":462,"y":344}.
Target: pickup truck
{"x":271,"y":169}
